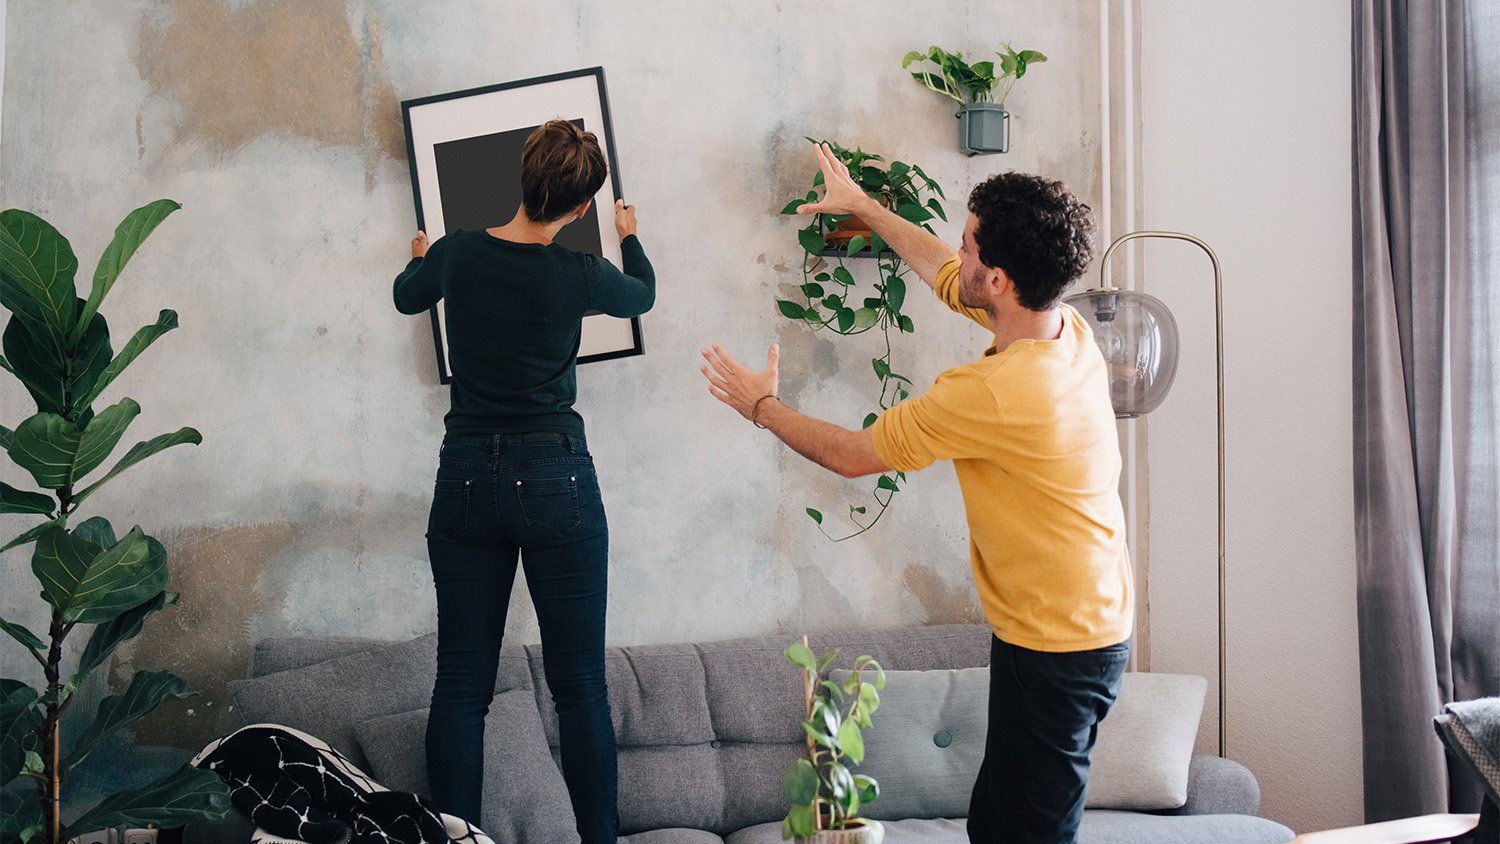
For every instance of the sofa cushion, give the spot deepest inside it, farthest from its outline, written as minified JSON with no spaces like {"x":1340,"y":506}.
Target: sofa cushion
{"x":1098,"y":827}
{"x":1111,"y":827}
{"x":328,"y":698}
{"x":672,"y":836}
{"x":753,"y":774}
{"x":657,"y":695}
{"x":524,"y":796}
{"x":928,"y":740}
{"x":670,"y":786}
{"x":769,"y":710}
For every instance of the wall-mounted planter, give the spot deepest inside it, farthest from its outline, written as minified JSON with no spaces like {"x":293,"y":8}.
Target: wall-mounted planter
{"x":983,"y":128}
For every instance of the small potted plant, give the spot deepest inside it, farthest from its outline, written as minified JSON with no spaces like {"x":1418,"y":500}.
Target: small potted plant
{"x":898,"y":186}
{"x":983,"y":122}
{"x":823,"y":794}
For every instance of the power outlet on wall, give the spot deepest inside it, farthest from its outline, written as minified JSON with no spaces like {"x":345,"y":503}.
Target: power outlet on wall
{"x":103,"y":836}
{"x":140,"y":836}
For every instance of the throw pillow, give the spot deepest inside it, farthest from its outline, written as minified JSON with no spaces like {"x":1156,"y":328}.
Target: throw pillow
{"x":1146,"y":743}
{"x":525,"y":798}
{"x":327,"y":698}
{"x":926,"y":743}
{"x":928,"y":739}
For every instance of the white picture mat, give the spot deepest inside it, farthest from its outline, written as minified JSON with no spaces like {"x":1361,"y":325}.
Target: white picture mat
{"x":505,"y":110}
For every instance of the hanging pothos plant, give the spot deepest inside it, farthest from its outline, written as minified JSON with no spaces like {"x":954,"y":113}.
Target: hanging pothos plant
{"x":832,"y":299}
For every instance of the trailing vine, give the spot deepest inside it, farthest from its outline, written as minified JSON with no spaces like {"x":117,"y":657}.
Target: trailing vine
{"x":829,"y":290}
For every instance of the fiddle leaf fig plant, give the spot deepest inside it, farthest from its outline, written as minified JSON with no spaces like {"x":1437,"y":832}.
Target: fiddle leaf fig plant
{"x":831,"y":297}
{"x":58,"y":346}
{"x":822,"y":791}
{"x":981,"y":82}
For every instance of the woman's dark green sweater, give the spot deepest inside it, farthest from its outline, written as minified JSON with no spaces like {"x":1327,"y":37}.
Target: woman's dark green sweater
{"x":514,"y":319}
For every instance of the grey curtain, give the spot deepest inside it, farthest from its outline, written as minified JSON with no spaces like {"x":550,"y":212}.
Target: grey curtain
{"x":1427,"y":480}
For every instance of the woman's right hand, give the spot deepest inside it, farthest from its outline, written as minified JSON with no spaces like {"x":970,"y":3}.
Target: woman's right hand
{"x":419,"y":245}
{"x":624,"y":219}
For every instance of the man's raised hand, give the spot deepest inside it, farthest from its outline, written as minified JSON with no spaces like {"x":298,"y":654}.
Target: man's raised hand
{"x":842,"y":195}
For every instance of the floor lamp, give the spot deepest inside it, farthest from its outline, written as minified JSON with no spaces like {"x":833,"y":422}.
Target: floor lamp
{"x":1138,"y":337}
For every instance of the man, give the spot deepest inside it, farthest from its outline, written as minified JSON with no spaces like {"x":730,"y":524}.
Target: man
{"x":1031,"y":434}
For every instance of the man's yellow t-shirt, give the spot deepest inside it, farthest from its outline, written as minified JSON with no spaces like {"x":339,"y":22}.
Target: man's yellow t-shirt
{"x":1031,"y":434}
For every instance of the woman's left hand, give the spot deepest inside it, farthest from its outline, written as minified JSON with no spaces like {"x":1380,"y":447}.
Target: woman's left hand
{"x":419,"y":245}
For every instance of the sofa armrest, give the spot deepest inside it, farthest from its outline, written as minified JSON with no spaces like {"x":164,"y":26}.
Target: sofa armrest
{"x":1218,"y":787}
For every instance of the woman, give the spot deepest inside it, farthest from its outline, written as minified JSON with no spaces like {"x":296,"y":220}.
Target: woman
{"x":514,"y":474}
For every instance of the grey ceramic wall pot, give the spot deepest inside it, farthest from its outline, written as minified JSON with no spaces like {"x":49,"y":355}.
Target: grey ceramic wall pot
{"x":983,"y":128}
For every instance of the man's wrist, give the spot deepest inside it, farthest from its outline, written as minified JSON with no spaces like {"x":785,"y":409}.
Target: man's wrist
{"x":755,"y":409}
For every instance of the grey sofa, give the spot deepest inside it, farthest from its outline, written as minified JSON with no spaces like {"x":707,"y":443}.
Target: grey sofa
{"x":706,"y":732}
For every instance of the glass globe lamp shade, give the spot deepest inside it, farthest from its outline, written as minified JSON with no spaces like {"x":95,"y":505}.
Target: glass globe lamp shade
{"x":1138,"y":337}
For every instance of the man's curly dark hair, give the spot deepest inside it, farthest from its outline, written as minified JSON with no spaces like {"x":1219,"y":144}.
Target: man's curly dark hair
{"x":1036,"y":231}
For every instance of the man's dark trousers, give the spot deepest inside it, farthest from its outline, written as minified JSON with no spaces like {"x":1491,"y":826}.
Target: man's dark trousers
{"x":1045,"y":710}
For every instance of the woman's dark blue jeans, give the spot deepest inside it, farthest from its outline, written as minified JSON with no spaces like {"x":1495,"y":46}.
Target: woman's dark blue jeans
{"x":535,"y":496}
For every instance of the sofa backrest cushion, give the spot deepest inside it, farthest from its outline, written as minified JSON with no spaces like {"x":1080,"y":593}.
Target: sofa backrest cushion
{"x":329,"y":698}
{"x":524,"y":798}
{"x":287,"y":653}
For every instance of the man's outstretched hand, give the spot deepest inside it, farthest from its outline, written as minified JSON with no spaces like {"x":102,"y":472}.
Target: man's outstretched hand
{"x":737,"y":386}
{"x":842,"y":196}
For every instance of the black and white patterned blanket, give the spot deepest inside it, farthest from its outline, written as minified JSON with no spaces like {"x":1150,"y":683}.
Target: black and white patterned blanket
{"x":298,"y":790}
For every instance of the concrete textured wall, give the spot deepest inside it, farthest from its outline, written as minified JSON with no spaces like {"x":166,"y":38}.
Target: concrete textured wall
{"x":276,"y":123}
{"x":1246,"y":144}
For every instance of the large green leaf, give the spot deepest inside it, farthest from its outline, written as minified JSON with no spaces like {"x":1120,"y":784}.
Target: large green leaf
{"x":125,"y":626}
{"x":60,"y":560}
{"x":165,"y":321}
{"x":93,"y":586}
{"x":45,"y":446}
{"x":56,"y":377}
{"x":37,"y":266}
{"x":20,"y":818}
{"x":102,"y":435}
{"x":129,"y":235}
{"x":38,"y":361}
{"x":14,"y":500}
{"x":147,"y":690}
{"x":29,"y":536}
{"x":23,"y":635}
{"x":140,"y":451}
{"x":91,"y":359}
{"x":6,"y":435}
{"x":117,"y":583}
{"x":19,"y":718}
{"x":96,"y":530}
{"x":187,"y":794}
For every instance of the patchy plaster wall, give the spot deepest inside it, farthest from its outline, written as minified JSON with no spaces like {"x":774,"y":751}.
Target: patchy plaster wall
{"x":276,"y":123}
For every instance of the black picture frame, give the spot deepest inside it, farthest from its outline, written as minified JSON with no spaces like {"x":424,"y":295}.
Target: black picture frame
{"x":452,"y":126}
